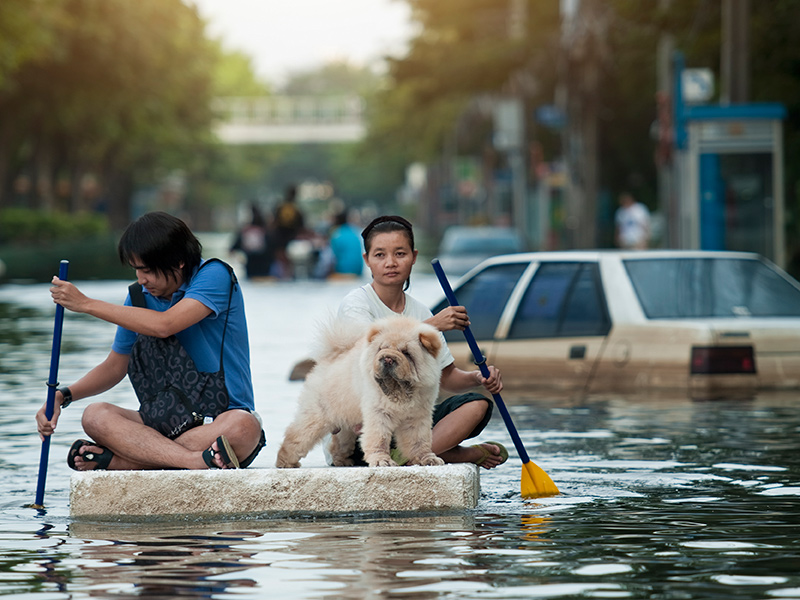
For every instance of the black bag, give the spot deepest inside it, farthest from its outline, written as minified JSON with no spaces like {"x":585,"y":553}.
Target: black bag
{"x":174,"y":395}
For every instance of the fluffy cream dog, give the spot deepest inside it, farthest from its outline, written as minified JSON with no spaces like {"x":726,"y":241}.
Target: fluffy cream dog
{"x":381,"y":379}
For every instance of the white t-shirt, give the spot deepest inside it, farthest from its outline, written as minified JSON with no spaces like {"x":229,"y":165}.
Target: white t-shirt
{"x":364,"y":305}
{"x":633,"y":224}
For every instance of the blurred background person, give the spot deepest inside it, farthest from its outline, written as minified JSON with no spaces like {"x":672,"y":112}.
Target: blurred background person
{"x":632,"y":221}
{"x":289,"y":222}
{"x":345,"y":243}
{"x":253,"y":240}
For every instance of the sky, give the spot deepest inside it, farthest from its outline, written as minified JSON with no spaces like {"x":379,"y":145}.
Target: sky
{"x":285,"y":36}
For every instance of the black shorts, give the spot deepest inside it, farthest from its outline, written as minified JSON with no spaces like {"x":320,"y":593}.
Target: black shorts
{"x":448,"y":405}
{"x":440,"y":411}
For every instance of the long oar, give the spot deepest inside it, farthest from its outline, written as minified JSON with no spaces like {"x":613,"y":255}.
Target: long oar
{"x":535,"y":482}
{"x":52,"y":384}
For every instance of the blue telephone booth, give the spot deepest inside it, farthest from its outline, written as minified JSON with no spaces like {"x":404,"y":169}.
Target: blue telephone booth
{"x":729,"y":169}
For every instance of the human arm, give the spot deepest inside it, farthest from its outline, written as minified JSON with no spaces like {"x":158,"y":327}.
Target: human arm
{"x":457,"y":380}
{"x":182,"y":315}
{"x":100,"y":379}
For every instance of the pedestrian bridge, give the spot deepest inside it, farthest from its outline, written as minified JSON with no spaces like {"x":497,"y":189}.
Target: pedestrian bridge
{"x":290,"y":119}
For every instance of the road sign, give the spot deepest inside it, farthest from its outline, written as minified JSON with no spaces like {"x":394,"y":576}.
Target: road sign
{"x":698,"y":85}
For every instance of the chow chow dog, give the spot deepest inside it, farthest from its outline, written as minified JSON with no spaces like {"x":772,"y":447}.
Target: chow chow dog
{"x":371,"y":382}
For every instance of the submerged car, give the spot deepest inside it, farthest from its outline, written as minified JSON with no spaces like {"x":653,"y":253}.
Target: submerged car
{"x":704,"y":322}
{"x":463,"y":247}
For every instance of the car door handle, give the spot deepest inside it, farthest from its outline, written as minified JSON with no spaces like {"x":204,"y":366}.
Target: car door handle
{"x":577,"y":352}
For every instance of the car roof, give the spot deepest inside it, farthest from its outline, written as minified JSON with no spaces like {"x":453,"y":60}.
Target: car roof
{"x":593,"y":255}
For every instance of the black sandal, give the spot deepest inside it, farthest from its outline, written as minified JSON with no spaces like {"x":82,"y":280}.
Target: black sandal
{"x":101,"y":459}
{"x":225,"y":452}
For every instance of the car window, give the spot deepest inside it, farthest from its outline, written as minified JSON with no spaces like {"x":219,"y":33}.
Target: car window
{"x":711,"y":287}
{"x":485,"y":296}
{"x":477,"y":244}
{"x":563,"y":299}
{"x":585,"y":310}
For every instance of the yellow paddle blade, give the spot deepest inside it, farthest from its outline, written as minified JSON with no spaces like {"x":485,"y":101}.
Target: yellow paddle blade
{"x":536,"y":483}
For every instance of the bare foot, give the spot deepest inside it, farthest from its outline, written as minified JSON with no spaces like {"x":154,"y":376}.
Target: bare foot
{"x":487,"y":455}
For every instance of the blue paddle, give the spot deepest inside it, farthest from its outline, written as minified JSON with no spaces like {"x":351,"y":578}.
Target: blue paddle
{"x":52,"y":384}
{"x":535,"y":482}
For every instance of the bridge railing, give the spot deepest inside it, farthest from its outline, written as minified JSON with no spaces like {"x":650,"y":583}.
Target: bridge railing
{"x":290,"y":110}
{"x":290,"y":119}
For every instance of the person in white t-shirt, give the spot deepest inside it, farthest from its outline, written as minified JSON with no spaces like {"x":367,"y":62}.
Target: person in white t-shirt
{"x":632,"y":221}
{"x":390,"y":255}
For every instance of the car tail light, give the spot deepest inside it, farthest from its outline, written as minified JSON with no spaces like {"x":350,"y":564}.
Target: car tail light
{"x":717,"y":360}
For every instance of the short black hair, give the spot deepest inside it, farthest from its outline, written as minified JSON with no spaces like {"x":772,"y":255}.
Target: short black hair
{"x":161,"y":242}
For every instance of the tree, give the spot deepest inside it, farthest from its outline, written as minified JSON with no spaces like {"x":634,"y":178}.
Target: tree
{"x":464,"y":48}
{"x":124,"y":89}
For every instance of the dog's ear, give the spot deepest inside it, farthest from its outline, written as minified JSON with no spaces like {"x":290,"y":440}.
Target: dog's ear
{"x":431,"y":341}
{"x":372,"y":333}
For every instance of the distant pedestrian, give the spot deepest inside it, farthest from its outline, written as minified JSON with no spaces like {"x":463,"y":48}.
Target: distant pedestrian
{"x":253,"y":240}
{"x":347,"y":247}
{"x":632,"y":222}
{"x":289,"y":223}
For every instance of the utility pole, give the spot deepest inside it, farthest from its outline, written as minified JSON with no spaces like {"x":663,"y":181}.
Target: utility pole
{"x":663,"y":158}
{"x":517,"y":30}
{"x":735,"y":59}
{"x":583,"y":49}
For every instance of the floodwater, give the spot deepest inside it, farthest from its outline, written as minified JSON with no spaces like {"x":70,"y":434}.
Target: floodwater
{"x":661,"y":497}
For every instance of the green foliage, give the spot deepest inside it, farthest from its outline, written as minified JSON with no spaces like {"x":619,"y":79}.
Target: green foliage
{"x":26,"y":33}
{"x":234,"y":76}
{"x":19,"y":225}
{"x":465,"y":48}
{"x":93,"y":258}
{"x":115,"y":88}
{"x":332,"y":79}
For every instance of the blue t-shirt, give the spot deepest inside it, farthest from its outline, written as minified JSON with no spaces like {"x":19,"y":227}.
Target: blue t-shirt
{"x":210,"y":286}
{"x":347,"y":248}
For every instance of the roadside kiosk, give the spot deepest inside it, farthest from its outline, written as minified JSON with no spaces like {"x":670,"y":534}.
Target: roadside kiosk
{"x":729,"y":171}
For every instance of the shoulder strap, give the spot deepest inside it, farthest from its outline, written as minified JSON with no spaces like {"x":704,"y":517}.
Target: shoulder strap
{"x":234,"y":281}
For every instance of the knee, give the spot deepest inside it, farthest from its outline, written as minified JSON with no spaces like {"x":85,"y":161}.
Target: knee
{"x":94,"y":416}
{"x":243,"y":422}
{"x":476,"y":409}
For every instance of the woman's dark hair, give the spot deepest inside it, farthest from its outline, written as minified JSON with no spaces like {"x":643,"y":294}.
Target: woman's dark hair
{"x":387,"y":224}
{"x":161,"y":242}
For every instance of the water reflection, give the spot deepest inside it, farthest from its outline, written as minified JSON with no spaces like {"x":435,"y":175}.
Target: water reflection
{"x":353,"y":559}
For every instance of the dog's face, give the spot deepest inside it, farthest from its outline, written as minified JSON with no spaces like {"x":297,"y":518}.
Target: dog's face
{"x":404,"y":354}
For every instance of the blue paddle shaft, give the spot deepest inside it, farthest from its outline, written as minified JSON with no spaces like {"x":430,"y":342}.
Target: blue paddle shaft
{"x":480,"y":360}
{"x":52,"y":384}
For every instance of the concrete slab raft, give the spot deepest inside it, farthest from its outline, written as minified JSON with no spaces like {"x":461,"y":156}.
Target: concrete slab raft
{"x":250,"y":491}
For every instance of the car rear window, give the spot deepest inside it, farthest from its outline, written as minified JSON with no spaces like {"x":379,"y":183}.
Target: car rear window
{"x":677,"y":288}
{"x":485,"y":296}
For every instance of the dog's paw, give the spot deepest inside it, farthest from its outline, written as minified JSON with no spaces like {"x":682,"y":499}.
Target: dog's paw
{"x":287,"y":465}
{"x":380,"y":460}
{"x":284,"y":461}
{"x":342,"y":462}
{"x":428,"y":460}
